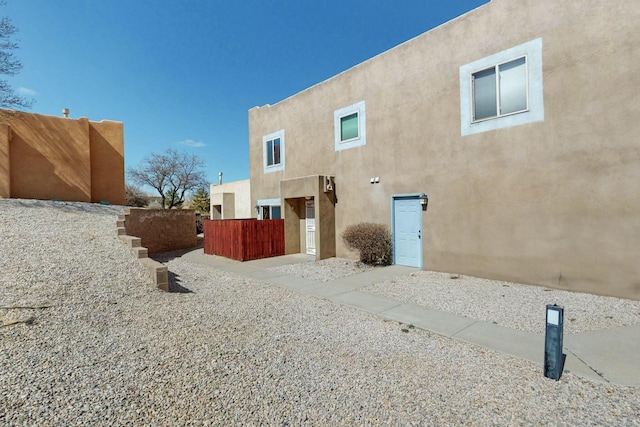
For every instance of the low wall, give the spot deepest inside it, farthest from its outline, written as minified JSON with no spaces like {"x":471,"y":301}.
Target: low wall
{"x":162,"y":229}
{"x":244,"y":239}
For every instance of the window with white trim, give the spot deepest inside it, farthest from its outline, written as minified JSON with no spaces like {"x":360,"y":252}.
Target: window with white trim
{"x":502,"y":90}
{"x":269,"y":212}
{"x":273,"y":151}
{"x":350,"y":126}
{"x":269,"y":209}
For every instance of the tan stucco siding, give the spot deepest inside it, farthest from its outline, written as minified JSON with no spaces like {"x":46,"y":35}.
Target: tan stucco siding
{"x":107,"y":162}
{"x":554,"y":202}
{"x":5,"y":163}
{"x":233,"y":198}
{"x":46,"y":157}
{"x":50,"y":158}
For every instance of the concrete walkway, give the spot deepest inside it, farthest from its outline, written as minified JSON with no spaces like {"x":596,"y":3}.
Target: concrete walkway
{"x":610,"y":355}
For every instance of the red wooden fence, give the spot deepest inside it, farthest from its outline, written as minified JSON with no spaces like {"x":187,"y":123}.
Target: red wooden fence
{"x":244,"y":239}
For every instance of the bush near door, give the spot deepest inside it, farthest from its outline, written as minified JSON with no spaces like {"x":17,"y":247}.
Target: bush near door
{"x":372,"y":241}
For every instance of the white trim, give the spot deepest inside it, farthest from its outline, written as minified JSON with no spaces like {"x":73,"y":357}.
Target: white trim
{"x":359,"y":109}
{"x":532,"y":50}
{"x":267,"y":138}
{"x":270,"y":202}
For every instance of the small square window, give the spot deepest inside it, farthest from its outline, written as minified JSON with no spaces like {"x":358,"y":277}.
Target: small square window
{"x":349,"y":127}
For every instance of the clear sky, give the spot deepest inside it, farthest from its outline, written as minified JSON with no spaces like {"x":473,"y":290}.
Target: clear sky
{"x":183,"y":73}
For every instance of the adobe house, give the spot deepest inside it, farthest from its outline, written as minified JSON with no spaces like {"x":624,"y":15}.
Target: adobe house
{"x":46,"y":157}
{"x":518,"y":121}
{"x":231,"y":200}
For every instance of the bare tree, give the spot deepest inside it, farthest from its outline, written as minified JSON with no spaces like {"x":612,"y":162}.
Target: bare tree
{"x":133,"y":196}
{"x":172,"y":174}
{"x":9,"y":66}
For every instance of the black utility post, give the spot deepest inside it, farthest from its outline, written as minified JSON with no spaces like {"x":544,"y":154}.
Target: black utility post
{"x":553,"y":356}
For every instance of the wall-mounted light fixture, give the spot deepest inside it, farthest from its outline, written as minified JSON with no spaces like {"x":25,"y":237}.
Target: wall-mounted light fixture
{"x":257,"y":207}
{"x":424,"y":201}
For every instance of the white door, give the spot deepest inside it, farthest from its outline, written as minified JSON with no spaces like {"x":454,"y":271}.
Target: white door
{"x":407,"y":231}
{"x":311,"y":227}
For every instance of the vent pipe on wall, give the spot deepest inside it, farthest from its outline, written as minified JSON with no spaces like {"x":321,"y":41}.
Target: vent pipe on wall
{"x":220,"y":178}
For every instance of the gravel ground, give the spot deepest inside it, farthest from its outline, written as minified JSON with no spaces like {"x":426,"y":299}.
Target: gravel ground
{"x":111,"y":349}
{"x":325,"y":270}
{"x":508,"y":304}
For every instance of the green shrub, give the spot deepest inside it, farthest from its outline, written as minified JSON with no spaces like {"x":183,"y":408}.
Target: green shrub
{"x":372,"y":241}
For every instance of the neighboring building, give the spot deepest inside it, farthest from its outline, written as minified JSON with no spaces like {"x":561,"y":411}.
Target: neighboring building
{"x":231,"y":200}
{"x":519,"y":120}
{"x":46,"y":157}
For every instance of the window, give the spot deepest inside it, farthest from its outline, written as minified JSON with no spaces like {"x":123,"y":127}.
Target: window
{"x":269,"y":209}
{"x":273,"y":151}
{"x":350,"y":126}
{"x":502,"y":90}
{"x":270,"y":212}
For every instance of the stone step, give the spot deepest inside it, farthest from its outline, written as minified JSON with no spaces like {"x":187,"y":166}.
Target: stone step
{"x":131,"y":241}
{"x":158,"y":272}
{"x":140,"y":252}
{"x":120,"y":223}
{"x":121,"y":231}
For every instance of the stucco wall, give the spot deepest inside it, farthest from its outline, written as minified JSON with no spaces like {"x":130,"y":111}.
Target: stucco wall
{"x":5,"y":161}
{"x":162,"y":230}
{"x":46,"y":157}
{"x":553,"y":203}
{"x":107,"y":161}
{"x":234,"y":199}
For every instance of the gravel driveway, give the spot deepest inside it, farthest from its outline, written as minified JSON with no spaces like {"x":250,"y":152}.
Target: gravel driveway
{"x":101,"y":345}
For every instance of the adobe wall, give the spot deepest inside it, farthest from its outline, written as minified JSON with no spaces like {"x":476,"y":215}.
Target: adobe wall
{"x":50,"y":158}
{"x":553,"y":203}
{"x":46,"y":157}
{"x":162,"y":229}
{"x":107,"y":162}
{"x":5,"y":162}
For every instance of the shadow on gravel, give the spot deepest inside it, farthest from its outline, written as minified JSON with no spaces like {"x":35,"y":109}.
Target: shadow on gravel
{"x":78,"y":207}
{"x":165,"y":257}
{"x":175,"y":286}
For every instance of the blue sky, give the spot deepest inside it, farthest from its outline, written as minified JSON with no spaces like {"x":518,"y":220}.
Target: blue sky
{"x":183,"y":73}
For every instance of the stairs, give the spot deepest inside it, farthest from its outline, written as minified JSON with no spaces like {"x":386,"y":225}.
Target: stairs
{"x":158,"y":271}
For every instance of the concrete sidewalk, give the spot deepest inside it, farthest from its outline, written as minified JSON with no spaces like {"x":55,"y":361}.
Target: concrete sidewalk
{"x":610,"y":355}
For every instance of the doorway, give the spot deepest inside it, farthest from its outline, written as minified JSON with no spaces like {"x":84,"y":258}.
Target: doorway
{"x":310,"y":226}
{"x":407,"y":231}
